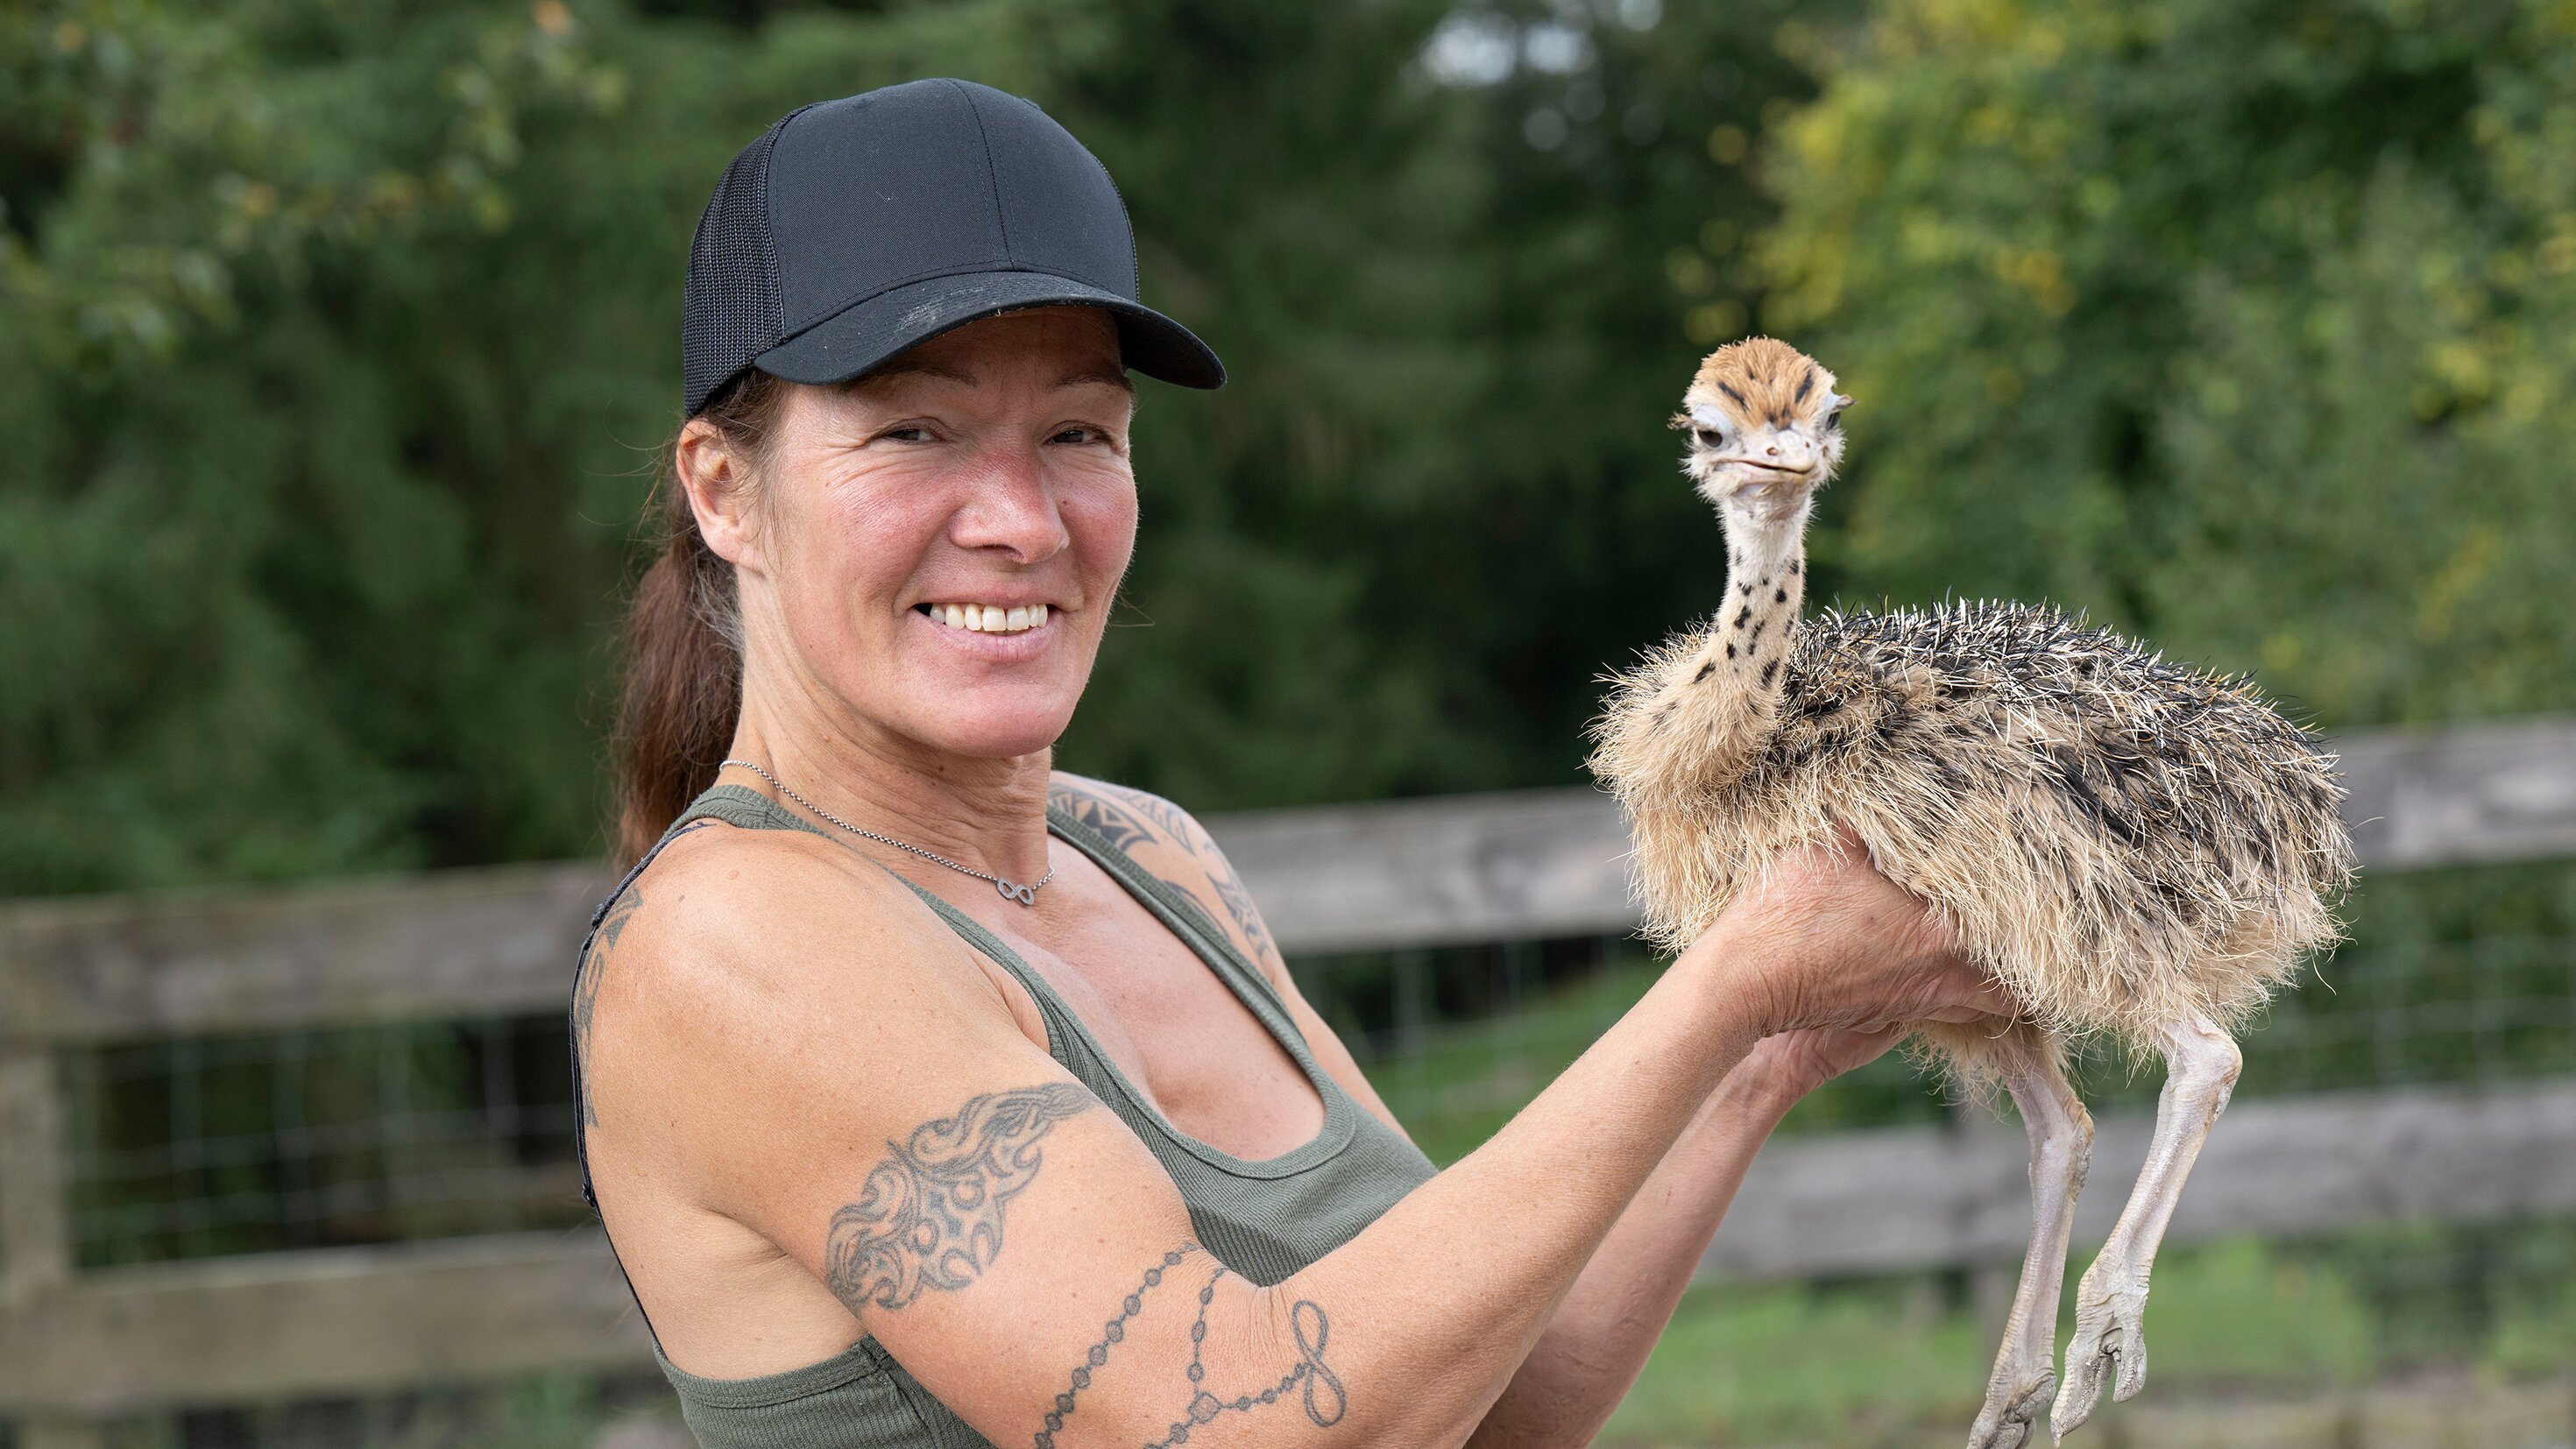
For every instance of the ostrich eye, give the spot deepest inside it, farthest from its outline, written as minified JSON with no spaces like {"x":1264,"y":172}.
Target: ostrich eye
{"x":1709,"y":437}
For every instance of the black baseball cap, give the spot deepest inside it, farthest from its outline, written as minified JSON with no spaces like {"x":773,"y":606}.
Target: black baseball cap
{"x":853,"y":229}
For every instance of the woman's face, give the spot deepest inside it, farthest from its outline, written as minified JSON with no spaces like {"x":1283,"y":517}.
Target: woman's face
{"x":983,"y":470}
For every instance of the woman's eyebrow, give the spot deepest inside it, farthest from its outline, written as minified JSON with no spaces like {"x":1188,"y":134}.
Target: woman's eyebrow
{"x":1097,"y":376}
{"x":915,"y":369}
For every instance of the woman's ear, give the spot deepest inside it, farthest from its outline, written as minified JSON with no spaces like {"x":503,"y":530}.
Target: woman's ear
{"x":718,"y":481}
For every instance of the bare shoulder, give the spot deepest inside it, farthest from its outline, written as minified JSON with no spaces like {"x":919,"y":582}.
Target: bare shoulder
{"x":1168,"y":841}
{"x":762,"y":908}
{"x":740,"y":944}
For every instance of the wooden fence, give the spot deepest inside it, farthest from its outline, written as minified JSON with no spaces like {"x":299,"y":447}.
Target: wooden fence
{"x":77,"y":1347}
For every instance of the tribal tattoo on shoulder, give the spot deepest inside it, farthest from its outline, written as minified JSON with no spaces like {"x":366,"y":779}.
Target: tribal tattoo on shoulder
{"x":1117,"y":821}
{"x":1108,"y":819}
{"x":585,"y":990}
{"x":1317,"y":1387}
{"x":931,"y":1216}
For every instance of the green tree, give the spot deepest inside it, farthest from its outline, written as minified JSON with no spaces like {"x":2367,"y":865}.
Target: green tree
{"x":337,"y":339}
{"x":2242,"y":326}
{"x":1396,"y":553}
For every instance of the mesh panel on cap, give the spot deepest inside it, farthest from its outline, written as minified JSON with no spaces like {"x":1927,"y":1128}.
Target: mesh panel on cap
{"x":729,"y":308}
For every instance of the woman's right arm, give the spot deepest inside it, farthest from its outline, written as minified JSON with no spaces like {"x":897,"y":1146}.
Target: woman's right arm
{"x":820,"y":1060}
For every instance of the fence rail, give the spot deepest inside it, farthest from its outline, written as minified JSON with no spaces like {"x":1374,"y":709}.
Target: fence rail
{"x":76,"y":1346}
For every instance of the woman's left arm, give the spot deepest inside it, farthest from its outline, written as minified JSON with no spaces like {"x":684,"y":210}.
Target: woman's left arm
{"x":1591,"y":1351}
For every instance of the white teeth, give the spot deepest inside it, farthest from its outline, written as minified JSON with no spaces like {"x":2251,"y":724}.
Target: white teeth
{"x":988,"y":618}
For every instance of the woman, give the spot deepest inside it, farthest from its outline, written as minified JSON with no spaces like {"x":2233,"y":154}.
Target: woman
{"x":935,"y":1098}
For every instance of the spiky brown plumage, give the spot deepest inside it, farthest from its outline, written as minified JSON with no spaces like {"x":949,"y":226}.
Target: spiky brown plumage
{"x":2121,"y":840}
{"x":2132,"y":848}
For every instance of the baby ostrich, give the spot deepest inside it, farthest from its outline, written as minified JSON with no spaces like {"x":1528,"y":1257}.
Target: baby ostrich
{"x":2129,"y":847}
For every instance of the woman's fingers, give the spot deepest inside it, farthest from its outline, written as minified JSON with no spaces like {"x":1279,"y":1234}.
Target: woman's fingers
{"x":1970,"y":995}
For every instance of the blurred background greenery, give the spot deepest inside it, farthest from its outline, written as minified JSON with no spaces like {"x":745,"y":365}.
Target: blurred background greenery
{"x":336,"y":340}
{"x":337,"y":337}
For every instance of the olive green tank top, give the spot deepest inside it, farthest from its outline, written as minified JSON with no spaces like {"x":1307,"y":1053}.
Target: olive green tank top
{"x":1264,"y":1220}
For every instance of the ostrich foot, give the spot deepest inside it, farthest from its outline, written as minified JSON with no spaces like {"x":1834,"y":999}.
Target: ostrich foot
{"x":2011,"y":1409}
{"x":2201,"y":1063}
{"x":2110,"y":1344}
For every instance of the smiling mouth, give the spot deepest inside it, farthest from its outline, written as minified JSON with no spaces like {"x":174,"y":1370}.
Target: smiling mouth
{"x":986,"y":618}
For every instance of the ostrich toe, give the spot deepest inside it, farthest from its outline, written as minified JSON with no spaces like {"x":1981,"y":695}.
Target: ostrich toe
{"x":2110,"y":1345}
{"x":2011,"y":1410}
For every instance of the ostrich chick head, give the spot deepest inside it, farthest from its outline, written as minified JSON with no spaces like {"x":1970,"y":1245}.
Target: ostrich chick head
{"x":1765,"y":429}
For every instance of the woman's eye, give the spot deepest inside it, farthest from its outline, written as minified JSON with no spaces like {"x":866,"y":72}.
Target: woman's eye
{"x":1710,"y":437}
{"x":909,"y":433}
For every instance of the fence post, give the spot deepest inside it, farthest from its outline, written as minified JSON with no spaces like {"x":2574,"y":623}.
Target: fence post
{"x":1412,"y":997}
{"x":35,"y":1232}
{"x":35,"y":1228}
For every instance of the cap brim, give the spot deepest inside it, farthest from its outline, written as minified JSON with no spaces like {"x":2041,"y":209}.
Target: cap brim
{"x":866,"y":335}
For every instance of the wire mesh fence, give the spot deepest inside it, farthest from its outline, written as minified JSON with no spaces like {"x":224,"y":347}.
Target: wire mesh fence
{"x":541,"y":1411}
{"x":204,"y":1147}
{"x":212,"y":1146}
{"x":1457,"y":1040}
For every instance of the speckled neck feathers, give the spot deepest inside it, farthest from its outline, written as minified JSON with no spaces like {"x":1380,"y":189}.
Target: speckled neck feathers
{"x":1722,"y":705}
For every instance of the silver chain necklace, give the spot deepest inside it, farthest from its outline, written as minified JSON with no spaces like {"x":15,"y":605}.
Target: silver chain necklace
{"x":1026,"y":895}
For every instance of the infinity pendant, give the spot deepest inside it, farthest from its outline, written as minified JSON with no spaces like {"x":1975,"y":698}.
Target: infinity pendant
{"x":1026,"y":895}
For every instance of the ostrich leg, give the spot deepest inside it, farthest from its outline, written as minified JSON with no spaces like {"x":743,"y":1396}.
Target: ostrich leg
{"x":2201,"y":1063}
{"x":2061,"y":1146}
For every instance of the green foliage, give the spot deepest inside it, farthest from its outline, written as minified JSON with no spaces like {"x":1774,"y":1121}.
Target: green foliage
{"x":1394,"y":554}
{"x":313,"y":517}
{"x":2241,"y":325}
{"x":336,"y":340}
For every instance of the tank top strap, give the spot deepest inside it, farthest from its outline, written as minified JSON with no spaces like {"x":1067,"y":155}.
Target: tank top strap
{"x":1182,"y":916}
{"x":1071,"y":1045}
{"x":744,"y":809}
{"x":1067,"y":1042}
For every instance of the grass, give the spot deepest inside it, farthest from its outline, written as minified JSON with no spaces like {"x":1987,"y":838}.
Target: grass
{"x":1904,"y":1360}
{"x":1888,"y":1361}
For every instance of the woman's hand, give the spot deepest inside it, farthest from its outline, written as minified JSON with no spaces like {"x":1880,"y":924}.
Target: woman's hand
{"x":1827,"y":944}
{"x":1781,"y":1070}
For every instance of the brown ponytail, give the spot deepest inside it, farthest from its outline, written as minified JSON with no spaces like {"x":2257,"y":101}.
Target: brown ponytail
{"x":683,"y":692}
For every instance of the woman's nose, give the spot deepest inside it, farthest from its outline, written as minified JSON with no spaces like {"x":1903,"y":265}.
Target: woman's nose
{"x":1010,"y":507}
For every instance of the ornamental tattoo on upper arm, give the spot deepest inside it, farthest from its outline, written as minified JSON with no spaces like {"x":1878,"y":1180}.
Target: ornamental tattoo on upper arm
{"x":585,"y":991}
{"x":931,"y":1216}
{"x":1322,"y":1395}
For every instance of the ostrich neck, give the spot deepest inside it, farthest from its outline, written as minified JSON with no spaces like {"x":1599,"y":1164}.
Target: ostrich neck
{"x":1766,"y":580}
{"x":1729,"y":688}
